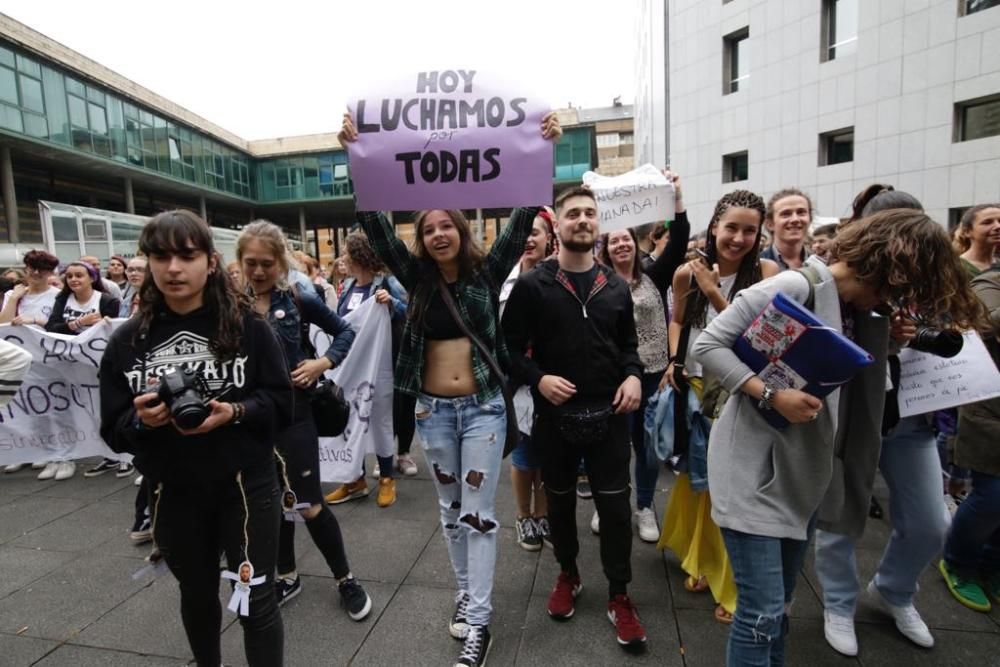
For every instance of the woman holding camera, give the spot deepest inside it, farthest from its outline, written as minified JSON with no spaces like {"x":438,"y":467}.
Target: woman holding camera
{"x":266,"y":261}
{"x":215,"y":484}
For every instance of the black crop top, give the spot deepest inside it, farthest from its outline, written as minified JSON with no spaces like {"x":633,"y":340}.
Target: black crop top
{"x":438,"y":322}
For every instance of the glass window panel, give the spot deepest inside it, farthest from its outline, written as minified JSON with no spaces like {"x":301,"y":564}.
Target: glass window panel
{"x":149,"y":141}
{"x":75,"y":87}
{"x":981,"y":120}
{"x":145,"y":117}
{"x":64,"y":228}
{"x":35,"y":125}
{"x":135,"y":155}
{"x":10,"y":118}
{"x":102,"y":145}
{"x":116,"y":128}
{"x":28,"y":66}
{"x":326,"y":174}
{"x":98,"y":121}
{"x":77,"y":111}
{"x":6,"y":56}
{"x":31,"y":94}
{"x":972,"y":6}
{"x":130,"y":110}
{"x":282,"y":177}
{"x":95,"y":95}
{"x":8,"y":85}
{"x":340,"y":172}
{"x":175,"y":149}
{"x":53,"y":85}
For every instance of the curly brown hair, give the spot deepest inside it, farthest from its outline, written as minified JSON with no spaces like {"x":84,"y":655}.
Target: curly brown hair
{"x":898,"y":250}
{"x":360,"y":252}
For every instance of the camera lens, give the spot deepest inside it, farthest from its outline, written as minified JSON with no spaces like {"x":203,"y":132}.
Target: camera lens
{"x":946,"y":343}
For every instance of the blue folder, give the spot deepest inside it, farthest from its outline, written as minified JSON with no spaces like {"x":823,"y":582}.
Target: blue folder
{"x":789,"y":347}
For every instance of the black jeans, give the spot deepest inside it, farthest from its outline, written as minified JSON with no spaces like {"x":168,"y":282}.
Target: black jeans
{"x":607,"y":467}
{"x":193,"y":525}
{"x":299,"y":446}
{"x":403,"y":422}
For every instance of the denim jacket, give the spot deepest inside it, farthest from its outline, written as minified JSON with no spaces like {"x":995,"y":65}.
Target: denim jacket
{"x":286,"y":322}
{"x":658,"y":425}
{"x":397,"y":295}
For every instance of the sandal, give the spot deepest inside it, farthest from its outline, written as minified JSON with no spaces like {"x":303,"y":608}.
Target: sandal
{"x":723,"y":616}
{"x":699,"y":585}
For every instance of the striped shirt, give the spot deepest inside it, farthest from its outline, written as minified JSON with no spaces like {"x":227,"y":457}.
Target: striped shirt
{"x":477,"y":296}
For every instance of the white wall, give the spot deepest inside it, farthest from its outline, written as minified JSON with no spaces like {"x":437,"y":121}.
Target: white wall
{"x":914,"y":60}
{"x":650,"y":85}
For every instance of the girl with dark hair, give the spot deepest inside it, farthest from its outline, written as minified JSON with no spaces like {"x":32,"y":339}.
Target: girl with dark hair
{"x":82,"y":302}
{"x":532,"y":522}
{"x":266,"y":262}
{"x":702,"y":289}
{"x":31,"y":302}
{"x":768,"y":484}
{"x":647,"y":286}
{"x":979,"y":238}
{"x":197,"y":342}
{"x":116,"y":272}
{"x":879,"y":197}
{"x":460,"y":413}
{"x":368,"y":279}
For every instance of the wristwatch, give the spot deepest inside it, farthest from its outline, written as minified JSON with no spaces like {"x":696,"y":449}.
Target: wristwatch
{"x":767,"y":398}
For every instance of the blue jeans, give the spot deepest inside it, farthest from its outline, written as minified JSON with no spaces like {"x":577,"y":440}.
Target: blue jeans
{"x":973,"y":546}
{"x":765,"y":569}
{"x":647,"y":467}
{"x":911,"y":467}
{"x":525,"y":455}
{"x":463,"y":444}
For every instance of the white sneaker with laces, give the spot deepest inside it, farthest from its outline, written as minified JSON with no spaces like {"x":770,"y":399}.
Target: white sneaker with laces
{"x":406,"y":465}
{"x":907,"y":618}
{"x":646,"y":520}
{"x":595,"y":523}
{"x":49,"y":471}
{"x":65,"y":470}
{"x":839,"y":633}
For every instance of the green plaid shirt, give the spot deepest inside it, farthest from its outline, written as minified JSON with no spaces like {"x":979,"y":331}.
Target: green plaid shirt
{"x":476,"y":297}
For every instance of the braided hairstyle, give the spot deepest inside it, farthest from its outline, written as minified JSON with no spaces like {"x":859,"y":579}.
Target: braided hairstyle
{"x":748,"y":272}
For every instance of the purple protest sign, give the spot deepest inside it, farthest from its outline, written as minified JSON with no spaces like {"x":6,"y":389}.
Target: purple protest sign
{"x":449,"y":139}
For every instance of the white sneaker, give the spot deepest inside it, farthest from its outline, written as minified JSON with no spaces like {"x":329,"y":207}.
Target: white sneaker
{"x":49,"y":471}
{"x":595,"y":523}
{"x":65,"y":470}
{"x":907,"y":618}
{"x":376,"y":472}
{"x":839,"y":633}
{"x":138,"y":480}
{"x":406,"y":465}
{"x":648,"y":530}
{"x":40,"y":465}
{"x":13,"y":467}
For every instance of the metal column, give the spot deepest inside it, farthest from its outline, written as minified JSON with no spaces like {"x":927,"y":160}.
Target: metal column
{"x":9,"y":195}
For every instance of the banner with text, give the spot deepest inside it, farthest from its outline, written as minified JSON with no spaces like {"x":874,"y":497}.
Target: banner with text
{"x":928,"y":382}
{"x":449,"y":139}
{"x":56,"y":412}
{"x":365,"y":377}
{"x":634,"y":198}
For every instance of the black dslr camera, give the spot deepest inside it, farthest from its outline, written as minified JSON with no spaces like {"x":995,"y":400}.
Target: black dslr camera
{"x":183,"y":390}
{"x":940,"y":342}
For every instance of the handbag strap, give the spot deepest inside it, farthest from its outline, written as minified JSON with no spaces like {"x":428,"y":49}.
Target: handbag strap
{"x":491,"y":361}
{"x":303,"y":325}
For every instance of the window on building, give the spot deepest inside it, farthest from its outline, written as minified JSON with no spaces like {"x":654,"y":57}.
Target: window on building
{"x":626,"y":138}
{"x":836,"y":147}
{"x":976,"y":119}
{"x":607,"y":140}
{"x":735,"y":167}
{"x":973,"y":6}
{"x":839,"y":26}
{"x":735,"y":61}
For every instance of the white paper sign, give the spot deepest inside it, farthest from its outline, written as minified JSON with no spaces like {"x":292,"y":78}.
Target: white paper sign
{"x":56,"y":411}
{"x":928,"y":382}
{"x":635,"y":198}
{"x":365,"y":377}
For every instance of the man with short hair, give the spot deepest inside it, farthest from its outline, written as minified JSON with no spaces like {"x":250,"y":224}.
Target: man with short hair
{"x":583,"y":369}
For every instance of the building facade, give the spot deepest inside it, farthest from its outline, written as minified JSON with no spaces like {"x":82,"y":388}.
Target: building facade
{"x":75,"y":132}
{"x":829,"y":96}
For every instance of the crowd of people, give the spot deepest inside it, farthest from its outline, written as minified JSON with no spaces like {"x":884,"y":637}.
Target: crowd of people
{"x":559,"y":346}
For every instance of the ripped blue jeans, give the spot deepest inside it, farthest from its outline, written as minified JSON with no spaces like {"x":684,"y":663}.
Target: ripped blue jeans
{"x":463,"y":443}
{"x":765,"y":569}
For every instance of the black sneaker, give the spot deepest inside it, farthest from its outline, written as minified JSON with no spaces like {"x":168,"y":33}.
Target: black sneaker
{"x":124,"y":469}
{"x":476,"y":648}
{"x":583,"y":487}
{"x":527,"y":534}
{"x":142,"y":531}
{"x":354,"y":599}
{"x":459,"y":625}
{"x":104,"y":466}
{"x":542,"y":524}
{"x":286,"y":588}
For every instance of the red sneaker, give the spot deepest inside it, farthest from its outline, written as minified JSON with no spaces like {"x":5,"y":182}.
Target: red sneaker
{"x":562,"y":597}
{"x":622,"y":614}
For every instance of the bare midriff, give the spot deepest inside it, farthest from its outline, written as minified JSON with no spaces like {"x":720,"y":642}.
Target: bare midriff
{"x":448,"y":367}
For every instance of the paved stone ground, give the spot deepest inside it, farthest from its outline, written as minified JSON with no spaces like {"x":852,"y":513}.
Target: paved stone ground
{"x":67,"y":596}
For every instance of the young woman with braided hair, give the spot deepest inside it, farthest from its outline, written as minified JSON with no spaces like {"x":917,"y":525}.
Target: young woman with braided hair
{"x":702,"y":289}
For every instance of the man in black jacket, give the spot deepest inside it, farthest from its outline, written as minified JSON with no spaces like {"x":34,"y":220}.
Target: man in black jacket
{"x":571,"y":332}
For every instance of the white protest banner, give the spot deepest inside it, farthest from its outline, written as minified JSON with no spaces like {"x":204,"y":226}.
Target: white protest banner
{"x":450,"y":138}
{"x":928,"y":382}
{"x":365,"y":377}
{"x":635,"y":198}
{"x":56,"y":412}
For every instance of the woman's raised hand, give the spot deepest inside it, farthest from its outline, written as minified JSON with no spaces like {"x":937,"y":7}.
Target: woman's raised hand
{"x":348,"y":132}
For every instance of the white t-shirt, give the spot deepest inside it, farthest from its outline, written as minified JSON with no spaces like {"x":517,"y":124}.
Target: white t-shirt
{"x":75,"y":310}
{"x":37,"y":306}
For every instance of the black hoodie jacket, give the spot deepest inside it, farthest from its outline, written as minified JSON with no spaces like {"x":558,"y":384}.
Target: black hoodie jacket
{"x":256,"y":377}
{"x":590,"y":341}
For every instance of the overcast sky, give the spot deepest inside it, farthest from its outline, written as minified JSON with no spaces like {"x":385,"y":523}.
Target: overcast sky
{"x":288,"y":68}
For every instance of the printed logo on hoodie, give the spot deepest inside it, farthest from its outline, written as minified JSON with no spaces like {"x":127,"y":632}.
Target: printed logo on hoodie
{"x":188,"y":350}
